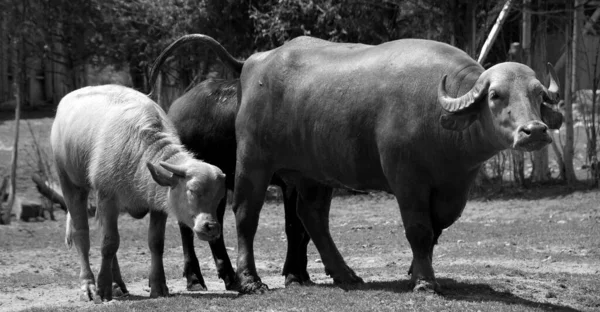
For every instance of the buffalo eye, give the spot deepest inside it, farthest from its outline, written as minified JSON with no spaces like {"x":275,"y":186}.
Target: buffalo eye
{"x":494,"y":95}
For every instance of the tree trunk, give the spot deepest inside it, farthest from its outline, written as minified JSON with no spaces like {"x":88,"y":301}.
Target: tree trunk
{"x":537,"y":58}
{"x":5,"y":215}
{"x":569,"y":136}
{"x":3,"y":59}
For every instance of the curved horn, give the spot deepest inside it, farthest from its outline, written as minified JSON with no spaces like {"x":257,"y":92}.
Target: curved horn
{"x":457,"y":105}
{"x":175,"y":169}
{"x":553,"y":86}
{"x":233,"y":63}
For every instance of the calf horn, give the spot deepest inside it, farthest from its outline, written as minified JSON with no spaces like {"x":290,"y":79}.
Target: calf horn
{"x":553,"y":86}
{"x":176,"y":170}
{"x":457,"y":105}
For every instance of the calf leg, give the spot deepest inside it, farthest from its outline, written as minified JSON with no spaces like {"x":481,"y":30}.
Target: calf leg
{"x":156,"y":242}
{"x":119,"y":288}
{"x":78,"y":233}
{"x":314,"y":202}
{"x":296,"y":262}
{"x":251,"y":183}
{"x":108,"y":213}
{"x":191,"y":267}
{"x":222,"y":262}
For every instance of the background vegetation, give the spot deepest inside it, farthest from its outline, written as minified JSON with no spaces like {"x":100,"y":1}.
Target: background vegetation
{"x":61,"y":45}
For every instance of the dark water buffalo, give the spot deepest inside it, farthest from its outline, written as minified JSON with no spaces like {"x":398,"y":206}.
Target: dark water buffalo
{"x":205,"y":121}
{"x":413,"y":117}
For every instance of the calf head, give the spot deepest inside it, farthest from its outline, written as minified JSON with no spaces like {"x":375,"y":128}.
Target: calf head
{"x":511,"y":104}
{"x":195,"y":190}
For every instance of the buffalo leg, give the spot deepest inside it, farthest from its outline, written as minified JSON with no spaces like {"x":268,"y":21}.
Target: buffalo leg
{"x":108,"y":214}
{"x":296,"y":262}
{"x":191,"y":266}
{"x":314,"y":202}
{"x":119,"y":288}
{"x":156,"y":242}
{"x":78,"y":233}
{"x":251,"y":183}
{"x":222,"y":262}
{"x":416,"y":217}
{"x":436,"y":234}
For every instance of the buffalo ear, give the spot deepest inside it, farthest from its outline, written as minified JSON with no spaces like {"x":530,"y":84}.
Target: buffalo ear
{"x":161,"y":175}
{"x":457,"y":122}
{"x":552,"y":118}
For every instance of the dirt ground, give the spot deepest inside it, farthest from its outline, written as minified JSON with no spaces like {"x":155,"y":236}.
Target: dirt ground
{"x":540,"y":252}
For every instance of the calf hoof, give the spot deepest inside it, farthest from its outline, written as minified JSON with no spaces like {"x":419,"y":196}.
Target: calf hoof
{"x":87,"y":291}
{"x":104,"y":293}
{"x":159,"y":290}
{"x":119,"y":291}
{"x":422,"y":285}
{"x":302,"y":279}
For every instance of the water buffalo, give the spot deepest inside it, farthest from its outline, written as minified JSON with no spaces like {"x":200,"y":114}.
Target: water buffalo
{"x":205,"y":121}
{"x":119,"y":143}
{"x":413,"y":117}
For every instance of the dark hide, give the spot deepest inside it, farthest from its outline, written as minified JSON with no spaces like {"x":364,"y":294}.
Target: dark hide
{"x":205,"y":121}
{"x":326,"y":115}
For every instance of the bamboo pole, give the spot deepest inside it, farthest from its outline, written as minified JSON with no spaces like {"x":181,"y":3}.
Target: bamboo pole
{"x":487,"y":46}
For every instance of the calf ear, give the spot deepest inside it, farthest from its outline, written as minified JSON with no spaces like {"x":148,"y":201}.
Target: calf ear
{"x":457,"y":122}
{"x":552,"y":118}
{"x":161,"y":176}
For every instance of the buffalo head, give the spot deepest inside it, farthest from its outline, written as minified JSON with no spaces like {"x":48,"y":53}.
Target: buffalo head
{"x":195,"y":190}
{"x":511,"y":104}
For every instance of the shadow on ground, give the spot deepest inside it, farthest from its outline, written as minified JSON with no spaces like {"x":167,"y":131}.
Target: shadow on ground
{"x":456,"y":290}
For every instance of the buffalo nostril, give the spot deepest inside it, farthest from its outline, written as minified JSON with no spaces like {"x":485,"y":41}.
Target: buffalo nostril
{"x":211,"y":227}
{"x":526,"y":130}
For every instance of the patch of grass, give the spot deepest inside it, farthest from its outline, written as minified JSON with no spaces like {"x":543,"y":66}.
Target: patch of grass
{"x":380,"y":296}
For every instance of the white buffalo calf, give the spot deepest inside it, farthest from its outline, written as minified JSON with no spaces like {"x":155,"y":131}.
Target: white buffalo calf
{"x":119,"y":143}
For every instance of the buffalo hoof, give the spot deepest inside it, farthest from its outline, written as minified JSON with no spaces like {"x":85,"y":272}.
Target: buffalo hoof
{"x":196,"y":287}
{"x":422,"y":285}
{"x":195,"y":281}
{"x":159,"y":290}
{"x":302,"y":279}
{"x":347,"y":277}
{"x":87,"y":291}
{"x":254,"y":288}
{"x":119,"y":291}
